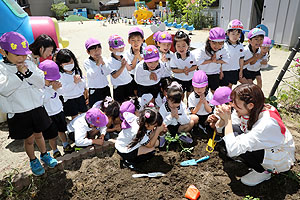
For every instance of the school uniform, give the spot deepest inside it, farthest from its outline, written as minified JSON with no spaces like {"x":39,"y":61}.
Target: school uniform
{"x":142,"y":78}
{"x":72,"y":93}
{"x":178,"y":63}
{"x":171,"y":122}
{"x":265,"y":57}
{"x":251,"y":71}
{"x":232,"y":68}
{"x":97,"y":82}
{"x":166,"y":65}
{"x":269,"y":138}
{"x":122,"y":84}
{"x":21,"y":99}
{"x":212,"y":70}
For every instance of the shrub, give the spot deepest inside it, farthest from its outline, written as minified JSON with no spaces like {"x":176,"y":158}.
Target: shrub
{"x":60,"y":9}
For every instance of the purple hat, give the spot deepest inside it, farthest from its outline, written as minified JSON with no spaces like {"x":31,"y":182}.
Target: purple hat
{"x":217,"y":34}
{"x":155,"y":35}
{"x":151,"y":54}
{"x":127,"y":106}
{"x":136,"y":30}
{"x":221,"y":96}
{"x":255,"y":32}
{"x":116,"y":42}
{"x":267,"y":42}
{"x":164,"y":37}
{"x":14,"y":43}
{"x":96,"y":117}
{"x":91,"y":42}
{"x":199,"y":79}
{"x":50,"y":69}
{"x":235,"y":24}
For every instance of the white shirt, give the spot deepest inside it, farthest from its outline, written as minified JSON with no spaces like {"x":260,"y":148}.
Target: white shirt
{"x":178,"y":63}
{"x":124,"y":78}
{"x":96,"y":75}
{"x":268,"y":133}
{"x":142,"y":74}
{"x":126,"y":136}
{"x":80,"y":128}
{"x":166,"y":65}
{"x":193,"y":100}
{"x":160,"y":101}
{"x":129,"y":58}
{"x":235,"y":53}
{"x":266,"y":57}
{"x":18,"y":95}
{"x":211,"y":68}
{"x":52,"y":103}
{"x":249,"y":54}
{"x":165,"y":112}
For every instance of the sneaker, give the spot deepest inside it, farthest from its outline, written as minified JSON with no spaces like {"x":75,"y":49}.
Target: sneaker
{"x":253,"y":178}
{"x":68,"y":149}
{"x":49,"y":161}
{"x":162,"y":141}
{"x":57,"y":154}
{"x":186,"y":139}
{"x":36,"y":167}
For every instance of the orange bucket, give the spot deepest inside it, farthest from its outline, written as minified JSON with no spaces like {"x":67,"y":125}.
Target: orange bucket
{"x":192,"y":193}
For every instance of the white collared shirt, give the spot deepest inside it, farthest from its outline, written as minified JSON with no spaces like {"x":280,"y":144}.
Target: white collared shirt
{"x":165,"y":112}
{"x":129,"y":58}
{"x":124,"y":78}
{"x":142,"y":74}
{"x":166,"y":65}
{"x":178,"y":63}
{"x":52,"y":103}
{"x":248,"y":54}
{"x":236,"y":52}
{"x":194,"y":99}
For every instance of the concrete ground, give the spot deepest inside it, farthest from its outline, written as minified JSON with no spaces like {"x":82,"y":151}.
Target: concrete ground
{"x":12,"y":153}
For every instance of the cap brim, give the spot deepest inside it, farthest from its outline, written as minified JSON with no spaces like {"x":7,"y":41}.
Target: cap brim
{"x":197,"y":85}
{"x":217,"y":40}
{"x":214,"y":102}
{"x":95,"y":43}
{"x":152,"y":59}
{"x":166,"y":41}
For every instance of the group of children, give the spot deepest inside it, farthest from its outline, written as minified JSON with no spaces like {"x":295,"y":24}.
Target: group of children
{"x":149,"y":86}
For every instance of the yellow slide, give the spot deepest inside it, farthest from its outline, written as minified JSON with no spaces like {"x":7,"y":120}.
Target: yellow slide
{"x":142,"y":14}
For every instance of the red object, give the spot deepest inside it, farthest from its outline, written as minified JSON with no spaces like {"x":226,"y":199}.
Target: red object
{"x":192,"y":193}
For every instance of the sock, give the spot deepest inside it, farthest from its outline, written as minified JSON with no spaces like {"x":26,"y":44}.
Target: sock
{"x":32,"y":159}
{"x":54,"y":151}
{"x":42,"y":154}
{"x":65,"y":144}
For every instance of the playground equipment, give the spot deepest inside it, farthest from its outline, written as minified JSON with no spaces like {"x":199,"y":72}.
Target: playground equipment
{"x":99,"y":17}
{"x":141,"y":12}
{"x":179,"y":26}
{"x":80,"y":11}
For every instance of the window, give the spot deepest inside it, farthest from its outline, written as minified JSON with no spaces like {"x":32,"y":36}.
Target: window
{"x":86,"y":1}
{"x":73,"y":1}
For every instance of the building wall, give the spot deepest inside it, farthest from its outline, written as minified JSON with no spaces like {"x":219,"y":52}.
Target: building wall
{"x":153,"y":3}
{"x":41,"y":7}
{"x":93,"y":4}
{"x":127,"y":3}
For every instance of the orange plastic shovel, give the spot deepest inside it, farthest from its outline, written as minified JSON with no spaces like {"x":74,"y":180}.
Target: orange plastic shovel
{"x":211,"y":143}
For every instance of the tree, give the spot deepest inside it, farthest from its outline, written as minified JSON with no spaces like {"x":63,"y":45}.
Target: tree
{"x":177,"y":6}
{"x":60,"y":9}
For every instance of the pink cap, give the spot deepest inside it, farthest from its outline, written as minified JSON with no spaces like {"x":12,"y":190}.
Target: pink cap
{"x":116,"y":42}
{"x":255,"y":32}
{"x":155,"y":35}
{"x":50,"y":69}
{"x":267,"y":42}
{"x":96,"y":117}
{"x":221,"y":96}
{"x":235,"y":24}
{"x":200,"y":79}
{"x":91,"y":42}
{"x":217,"y":34}
{"x":136,"y":30}
{"x":151,"y":54}
{"x":14,"y":43}
{"x":164,"y":37}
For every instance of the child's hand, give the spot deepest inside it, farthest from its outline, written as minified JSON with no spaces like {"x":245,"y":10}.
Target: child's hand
{"x":123,"y":62}
{"x":241,"y":74}
{"x":22,"y":68}
{"x":186,"y":70}
{"x":153,"y":76}
{"x":98,"y":141}
{"x":214,"y":58}
{"x":77,"y":78}
{"x":264,"y":62}
{"x":56,"y":85}
{"x":100,"y":61}
{"x":202,"y":99}
{"x":174,"y":113}
{"x":221,"y":75}
{"x":164,"y":58}
{"x":161,"y":128}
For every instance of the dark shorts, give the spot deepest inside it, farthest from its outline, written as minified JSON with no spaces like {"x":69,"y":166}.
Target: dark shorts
{"x":133,"y":83}
{"x":98,"y":94}
{"x":75,"y":106}
{"x":152,"y":89}
{"x":251,"y":74}
{"x":129,"y":156}
{"x":213,"y":81}
{"x":51,"y":132}
{"x":123,"y":92}
{"x":23,"y":125}
{"x":230,"y":77}
{"x":186,"y":85}
{"x":173,"y":129}
{"x":202,"y":119}
{"x":60,"y":121}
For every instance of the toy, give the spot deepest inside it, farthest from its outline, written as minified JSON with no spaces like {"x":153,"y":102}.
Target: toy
{"x":150,"y":175}
{"x":211,"y":143}
{"x":192,"y":193}
{"x":193,"y":161}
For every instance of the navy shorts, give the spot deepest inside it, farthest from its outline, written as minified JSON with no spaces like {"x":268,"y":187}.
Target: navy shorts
{"x":230,"y":77}
{"x":123,"y":93}
{"x":251,"y":74}
{"x":152,"y":89}
{"x":213,"y":81}
{"x":75,"y":106}
{"x":98,"y":94}
{"x":186,"y":85}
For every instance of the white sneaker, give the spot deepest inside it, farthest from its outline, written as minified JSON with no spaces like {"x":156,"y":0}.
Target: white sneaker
{"x":253,"y":178}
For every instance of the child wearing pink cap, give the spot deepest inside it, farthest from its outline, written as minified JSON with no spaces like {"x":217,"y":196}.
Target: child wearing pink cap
{"x":253,"y":57}
{"x":54,"y":108}
{"x":20,"y":82}
{"x":119,"y":70}
{"x":96,"y":72}
{"x":183,"y":64}
{"x":155,"y":37}
{"x":265,"y":50}
{"x":198,"y":101}
{"x":233,"y":70}
{"x":164,"y":43}
{"x":149,"y":72}
{"x":211,"y":58}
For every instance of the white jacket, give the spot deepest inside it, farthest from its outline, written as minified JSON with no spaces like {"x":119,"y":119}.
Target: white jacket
{"x":17,"y":95}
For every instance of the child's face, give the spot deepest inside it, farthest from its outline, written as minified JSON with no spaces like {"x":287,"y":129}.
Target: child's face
{"x":173,"y":105}
{"x":256,"y":41}
{"x":181,"y":47}
{"x":152,"y":65}
{"x":199,"y":91}
{"x":234,"y":36}
{"x":264,"y":50}
{"x":96,"y":52}
{"x":64,"y":65}
{"x":14,"y":59}
{"x":46,"y":52}
{"x":164,"y":47}
{"x":216,"y":46}
{"x":48,"y":83}
{"x":135,"y":42}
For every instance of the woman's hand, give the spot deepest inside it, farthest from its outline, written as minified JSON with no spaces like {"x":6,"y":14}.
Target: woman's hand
{"x":224,"y":112}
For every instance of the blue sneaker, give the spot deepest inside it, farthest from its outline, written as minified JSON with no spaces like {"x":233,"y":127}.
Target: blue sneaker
{"x":162,"y":141}
{"x":36,"y":167}
{"x":186,"y":139}
{"x":49,"y":161}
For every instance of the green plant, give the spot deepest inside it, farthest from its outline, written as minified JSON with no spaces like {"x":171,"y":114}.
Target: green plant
{"x":8,"y":187}
{"x":170,"y":139}
{"x":273,"y":101}
{"x":248,"y":197}
{"x":60,"y":9}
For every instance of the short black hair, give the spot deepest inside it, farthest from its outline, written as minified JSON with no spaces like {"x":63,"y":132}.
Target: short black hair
{"x":94,"y":47}
{"x":181,"y":36}
{"x":174,"y":94}
{"x":135,"y":34}
{"x":42,"y":41}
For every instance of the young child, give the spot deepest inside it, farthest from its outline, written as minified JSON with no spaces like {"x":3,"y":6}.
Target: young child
{"x":164,"y":42}
{"x":175,"y":114}
{"x":135,"y":54}
{"x":120,"y":77}
{"x":162,"y":95}
{"x":73,"y":84}
{"x":20,"y":98}
{"x":42,"y":48}
{"x":253,"y":56}
{"x":233,"y":70}
{"x":149,"y":72}
{"x":127,"y":106}
{"x":54,"y":107}
{"x":213,"y":56}
{"x":265,"y":144}
{"x":265,"y":49}
{"x":146,"y":100}
{"x":96,"y":71}
{"x":198,"y":100}
{"x":155,"y":37}
{"x":137,"y":141}
{"x":183,"y":63}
